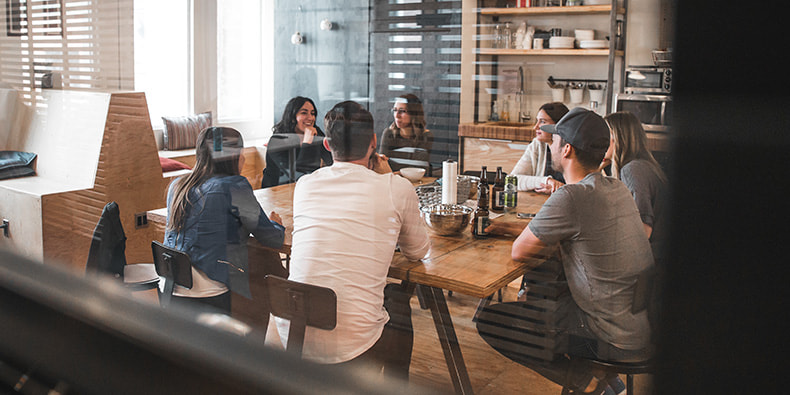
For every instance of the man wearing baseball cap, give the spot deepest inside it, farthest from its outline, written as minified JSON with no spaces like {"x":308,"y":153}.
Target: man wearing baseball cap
{"x":592,"y":226}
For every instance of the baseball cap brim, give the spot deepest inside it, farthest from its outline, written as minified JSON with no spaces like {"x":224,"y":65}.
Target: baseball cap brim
{"x":549,"y":128}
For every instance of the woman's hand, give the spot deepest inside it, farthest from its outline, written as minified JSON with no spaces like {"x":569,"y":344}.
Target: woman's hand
{"x":309,"y":133}
{"x":379,"y":163}
{"x":275,"y":218}
{"x":549,"y":186}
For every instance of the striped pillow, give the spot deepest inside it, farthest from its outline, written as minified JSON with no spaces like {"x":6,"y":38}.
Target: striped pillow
{"x":181,"y":132}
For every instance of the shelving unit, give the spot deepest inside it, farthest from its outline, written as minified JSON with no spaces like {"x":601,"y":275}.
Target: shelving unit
{"x":547,"y":52}
{"x":616,"y":11}
{"x":566,"y":10}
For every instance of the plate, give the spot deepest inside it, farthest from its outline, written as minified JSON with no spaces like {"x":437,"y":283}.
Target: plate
{"x":560,"y":45}
{"x":593,"y":44}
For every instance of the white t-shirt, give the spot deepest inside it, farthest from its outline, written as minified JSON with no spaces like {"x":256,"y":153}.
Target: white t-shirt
{"x":347,"y":223}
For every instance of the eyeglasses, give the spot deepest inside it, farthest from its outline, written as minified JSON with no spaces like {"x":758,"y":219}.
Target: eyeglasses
{"x":399,"y":111}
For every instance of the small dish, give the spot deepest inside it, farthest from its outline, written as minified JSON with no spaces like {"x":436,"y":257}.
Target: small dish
{"x":593,"y":44}
{"x":413,"y":174}
{"x":561,"y":42}
{"x":584,"y":34}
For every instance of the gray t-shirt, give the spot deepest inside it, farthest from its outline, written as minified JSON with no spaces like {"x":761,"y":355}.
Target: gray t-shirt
{"x":603,"y":250}
{"x":646,"y":187}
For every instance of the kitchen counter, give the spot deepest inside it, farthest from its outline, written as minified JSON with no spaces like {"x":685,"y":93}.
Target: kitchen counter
{"x":497,"y":130}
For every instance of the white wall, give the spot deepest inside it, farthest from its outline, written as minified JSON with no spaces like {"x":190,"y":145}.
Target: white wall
{"x":643,"y":31}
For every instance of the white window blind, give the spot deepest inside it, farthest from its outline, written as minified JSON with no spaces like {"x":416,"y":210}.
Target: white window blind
{"x":85,"y":44}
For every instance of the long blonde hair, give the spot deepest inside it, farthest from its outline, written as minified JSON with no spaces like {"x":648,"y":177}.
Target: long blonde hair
{"x":208,"y":163}
{"x":630,"y":142}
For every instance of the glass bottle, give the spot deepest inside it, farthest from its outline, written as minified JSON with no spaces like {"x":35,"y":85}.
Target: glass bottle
{"x":504,"y":110}
{"x":497,"y":36}
{"x":480,"y":221}
{"x":507,"y":36}
{"x":498,"y":191}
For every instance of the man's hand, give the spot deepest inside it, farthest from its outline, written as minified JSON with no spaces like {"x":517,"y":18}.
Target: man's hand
{"x":505,"y":228}
{"x":379,"y":163}
{"x":275,"y":217}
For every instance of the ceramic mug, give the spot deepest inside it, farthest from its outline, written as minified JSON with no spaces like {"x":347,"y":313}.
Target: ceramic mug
{"x":537,"y":43}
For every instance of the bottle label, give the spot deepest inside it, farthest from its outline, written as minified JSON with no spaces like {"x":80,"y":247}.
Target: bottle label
{"x":481,"y":225}
{"x":511,"y":198}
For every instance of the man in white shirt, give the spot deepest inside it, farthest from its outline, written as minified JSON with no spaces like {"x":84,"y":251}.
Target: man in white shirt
{"x":348,"y":220}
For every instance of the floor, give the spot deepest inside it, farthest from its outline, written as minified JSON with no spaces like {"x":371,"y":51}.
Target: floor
{"x":489,"y":371}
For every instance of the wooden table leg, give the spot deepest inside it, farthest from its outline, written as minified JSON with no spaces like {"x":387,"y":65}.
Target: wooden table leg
{"x":434,"y":298}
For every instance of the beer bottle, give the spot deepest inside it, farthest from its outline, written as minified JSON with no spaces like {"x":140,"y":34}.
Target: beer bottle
{"x":480,"y":220}
{"x":498,"y":191}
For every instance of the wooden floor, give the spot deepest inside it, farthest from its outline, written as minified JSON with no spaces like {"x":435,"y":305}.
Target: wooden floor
{"x":489,"y":371}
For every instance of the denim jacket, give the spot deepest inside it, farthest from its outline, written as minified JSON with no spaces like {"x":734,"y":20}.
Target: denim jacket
{"x":218,"y":223}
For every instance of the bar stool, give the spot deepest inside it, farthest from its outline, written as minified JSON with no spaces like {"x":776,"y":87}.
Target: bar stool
{"x":629,"y":369}
{"x":303,"y":305}
{"x":644,"y":299}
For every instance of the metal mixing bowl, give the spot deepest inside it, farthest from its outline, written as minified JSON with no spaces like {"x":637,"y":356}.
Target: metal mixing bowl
{"x":446,"y":219}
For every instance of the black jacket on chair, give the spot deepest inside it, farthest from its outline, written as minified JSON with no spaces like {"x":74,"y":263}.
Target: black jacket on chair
{"x":107,"y":253}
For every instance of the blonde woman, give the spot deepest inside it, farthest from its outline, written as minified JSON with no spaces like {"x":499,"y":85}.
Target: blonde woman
{"x":407,"y":138}
{"x":633,"y":164}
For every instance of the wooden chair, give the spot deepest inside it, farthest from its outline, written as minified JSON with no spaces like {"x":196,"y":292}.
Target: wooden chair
{"x":304,"y":305}
{"x":107,"y":253}
{"x":644,"y":299}
{"x":174,"y":266}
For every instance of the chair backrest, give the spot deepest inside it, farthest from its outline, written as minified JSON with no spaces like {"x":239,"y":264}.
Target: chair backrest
{"x":304,"y":305}
{"x":107,"y":253}
{"x":175,"y":266}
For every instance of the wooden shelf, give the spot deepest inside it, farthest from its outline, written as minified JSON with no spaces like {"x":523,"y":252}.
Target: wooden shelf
{"x":547,"y":52}
{"x":566,"y":10}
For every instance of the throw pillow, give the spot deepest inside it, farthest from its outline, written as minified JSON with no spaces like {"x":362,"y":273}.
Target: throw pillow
{"x":181,"y":132}
{"x":16,"y":164}
{"x":172,"y":165}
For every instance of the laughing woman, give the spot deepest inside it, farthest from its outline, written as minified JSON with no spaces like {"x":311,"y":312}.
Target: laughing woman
{"x":298,"y":120}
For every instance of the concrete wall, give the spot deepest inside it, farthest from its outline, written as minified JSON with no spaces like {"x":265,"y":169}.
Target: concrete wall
{"x":330,"y":66}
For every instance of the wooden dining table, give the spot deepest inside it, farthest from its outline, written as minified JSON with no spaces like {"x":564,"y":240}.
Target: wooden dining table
{"x":457,"y":263}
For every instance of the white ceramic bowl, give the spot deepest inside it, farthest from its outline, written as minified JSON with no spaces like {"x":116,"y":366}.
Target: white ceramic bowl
{"x":561,"y":42}
{"x":593,"y":44}
{"x":585,"y":34}
{"x":412,"y":174}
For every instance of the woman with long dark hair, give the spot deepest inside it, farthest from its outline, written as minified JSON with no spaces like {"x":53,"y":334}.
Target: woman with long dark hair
{"x":210,"y":215}
{"x":533,"y":169}
{"x":406,"y":141}
{"x":294,"y":134}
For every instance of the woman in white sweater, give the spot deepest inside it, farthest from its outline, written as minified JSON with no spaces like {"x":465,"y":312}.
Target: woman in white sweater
{"x":533,"y":170}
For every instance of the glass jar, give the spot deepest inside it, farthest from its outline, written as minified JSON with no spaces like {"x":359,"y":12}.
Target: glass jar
{"x":507,"y":36}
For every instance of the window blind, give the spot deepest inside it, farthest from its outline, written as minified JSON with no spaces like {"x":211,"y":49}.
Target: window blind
{"x":85,"y":44}
{"x":417,"y":49}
